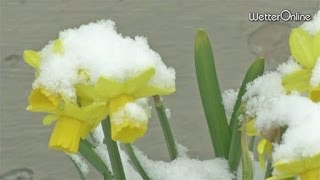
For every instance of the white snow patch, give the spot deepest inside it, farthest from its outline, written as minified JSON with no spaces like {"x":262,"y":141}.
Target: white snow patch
{"x":312,"y":26}
{"x":168,"y":113}
{"x":185,"y":168}
{"x":100,"y":51}
{"x":131,"y":111}
{"x":315,"y":77}
{"x":80,"y":163}
{"x":288,"y":67}
{"x":260,"y":90}
{"x":301,"y":117}
{"x":229,"y":98}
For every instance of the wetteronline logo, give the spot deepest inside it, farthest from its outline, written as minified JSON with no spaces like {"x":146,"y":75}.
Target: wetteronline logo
{"x":285,"y":15}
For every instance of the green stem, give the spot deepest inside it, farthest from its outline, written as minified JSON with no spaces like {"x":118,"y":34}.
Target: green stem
{"x":113,"y":151}
{"x":171,"y":145}
{"x":136,"y":162}
{"x":269,"y":169}
{"x":251,"y":144}
{"x":247,"y":172}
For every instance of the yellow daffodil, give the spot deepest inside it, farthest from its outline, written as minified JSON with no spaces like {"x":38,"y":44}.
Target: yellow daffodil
{"x":107,"y":96}
{"x":72,"y":123}
{"x":264,"y":147}
{"x":307,"y":168}
{"x":42,"y":100}
{"x":305,"y":49}
{"x":117,"y":94}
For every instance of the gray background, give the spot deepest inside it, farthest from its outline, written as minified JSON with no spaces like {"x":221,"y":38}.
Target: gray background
{"x":170,"y":27}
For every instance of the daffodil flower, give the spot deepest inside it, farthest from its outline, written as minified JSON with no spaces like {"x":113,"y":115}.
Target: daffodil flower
{"x":305,"y":49}
{"x":306,"y":168}
{"x":73,"y":123}
{"x":117,"y":95}
{"x":264,"y":147}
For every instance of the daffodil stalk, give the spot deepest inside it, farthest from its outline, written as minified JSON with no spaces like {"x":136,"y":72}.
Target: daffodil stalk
{"x":112,"y":146}
{"x":247,"y":171}
{"x":166,"y":129}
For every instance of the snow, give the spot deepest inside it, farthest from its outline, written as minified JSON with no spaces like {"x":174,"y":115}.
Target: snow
{"x":80,"y":163}
{"x":185,"y":168}
{"x":168,"y":113}
{"x":130,"y":112}
{"x":301,"y":116}
{"x":288,"y":67}
{"x":260,"y":90}
{"x":229,"y":98}
{"x":99,"y":51}
{"x":315,"y":76}
{"x":312,"y":26}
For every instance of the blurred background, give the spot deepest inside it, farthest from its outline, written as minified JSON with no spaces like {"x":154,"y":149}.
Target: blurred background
{"x":170,"y":27}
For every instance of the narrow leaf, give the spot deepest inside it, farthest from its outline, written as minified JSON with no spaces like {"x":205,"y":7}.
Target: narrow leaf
{"x":256,"y":69}
{"x":81,"y":175}
{"x":86,"y":150}
{"x":136,"y":162}
{"x":211,"y":95}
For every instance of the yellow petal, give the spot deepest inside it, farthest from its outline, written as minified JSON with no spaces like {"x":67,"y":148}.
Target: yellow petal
{"x":128,"y":131}
{"x":152,"y":90}
{"x":108,"y":88}
{"x":310,"y":175}
{"x":49,"y":119}
{"x":66,"y":135}
{"x":314,"y":94}
{"x":301,"y":43}
{"x":139,"y":82}
{"x":41,"y":100}
{"x":57,"y":47}
{"x":85,"y":94}
{"x":91,"y":114}
{"x":261,"y":145}
{"x":298,"y":166}
{"x":298,"y":81}
{"x":85,"y":129}
{"x":119,"y":102}
{"x":32,"y":58}
{"x":316,"y":46}
{"x":261,"y":148}
{"x":251,"y":128}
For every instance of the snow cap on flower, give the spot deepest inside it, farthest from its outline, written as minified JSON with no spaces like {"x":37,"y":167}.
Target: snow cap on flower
{"x":97,"y":50}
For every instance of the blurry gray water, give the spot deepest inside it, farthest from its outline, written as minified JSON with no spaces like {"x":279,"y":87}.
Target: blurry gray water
{"x":170,"y":27}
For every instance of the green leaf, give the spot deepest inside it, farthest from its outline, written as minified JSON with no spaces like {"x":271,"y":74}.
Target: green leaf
{"x":211,"y":95}
{"x":86,"y":150}
{"x":82,"y":177}
{"x":113,"y":151}
{"x":136,"y":162}
{"x":171,"y":145}
{"x":256,"y":69}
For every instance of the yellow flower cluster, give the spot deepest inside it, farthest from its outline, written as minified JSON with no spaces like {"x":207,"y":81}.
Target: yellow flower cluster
{"x":76,"y":119}
{"x":305,"y":50}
